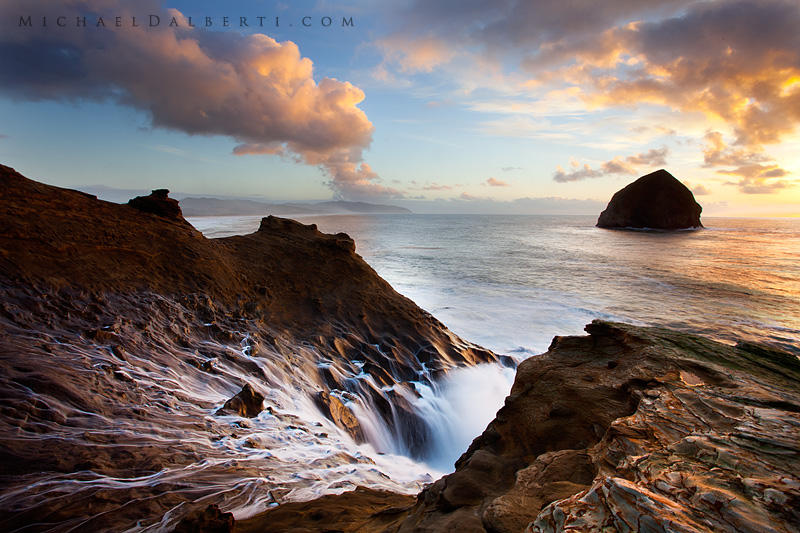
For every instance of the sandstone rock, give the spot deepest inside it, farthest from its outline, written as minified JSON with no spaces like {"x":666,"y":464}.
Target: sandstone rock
{"x":362,"y":509}
{"x":680,"y":433}
{"x":158,"y":203}
{"x":247,"y":403}
{"x":656,"y":201}
{"x":341,"y":415}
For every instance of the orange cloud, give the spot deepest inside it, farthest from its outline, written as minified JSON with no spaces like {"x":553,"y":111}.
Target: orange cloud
{"x":617,"y":165}
{"x":421,"y":54}
{"x":260,"y":92}
{"x":758,"y":175}
{"x":737,"y":63}
{"x":494,"y":182}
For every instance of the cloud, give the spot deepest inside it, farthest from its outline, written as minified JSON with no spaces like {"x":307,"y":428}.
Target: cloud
{"x":468,"y":197}
{"x":420,"y":55}
{"x":735,"y":63}
{"x":697,"y":190}
{"x":653,"y":157}
{"x":757,"y":172}
{"x":494,"y":182}
{"x":251,"y":88}
{"x":618,"y":165}
{"x":436,"y":187}
{"x":509,"y":169}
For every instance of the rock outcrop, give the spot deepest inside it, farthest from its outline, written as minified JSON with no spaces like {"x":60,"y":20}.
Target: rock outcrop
{"x":655,"y":201}
{"x":626,"y":429}
{"x":247,"y":403}
{"x":123,"y":330}
{"x":632,"y":429}
{"x":158,"y":203}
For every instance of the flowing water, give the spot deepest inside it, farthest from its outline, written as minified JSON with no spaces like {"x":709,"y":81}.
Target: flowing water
{"x":510,"y":283}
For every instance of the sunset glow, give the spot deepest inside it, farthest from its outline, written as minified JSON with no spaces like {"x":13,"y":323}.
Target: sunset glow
{"x":429,"y":105}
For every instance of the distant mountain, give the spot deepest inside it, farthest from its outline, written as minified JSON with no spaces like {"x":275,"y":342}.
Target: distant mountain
{"x":200,"y":206}
{"x":197,"y":206}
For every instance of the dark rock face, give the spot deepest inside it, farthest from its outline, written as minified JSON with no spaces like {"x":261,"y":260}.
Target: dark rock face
{"x":657,"y":201}
{"x":362,"y":509}
{"x":158,"y":203}
{"x":247,"y":403}
{"x":151,"y":299}
{"x":210,"y":520}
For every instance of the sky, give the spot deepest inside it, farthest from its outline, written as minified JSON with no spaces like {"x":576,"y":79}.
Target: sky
{"x":510,"y":106}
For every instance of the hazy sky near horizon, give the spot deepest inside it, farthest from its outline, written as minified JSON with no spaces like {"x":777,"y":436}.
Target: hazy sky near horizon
{"x":474,"y":106}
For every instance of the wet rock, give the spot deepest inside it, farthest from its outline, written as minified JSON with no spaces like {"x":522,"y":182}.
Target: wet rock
{"x":680,"y":433}
{"x":209,"y":520}
{"x":247,"y":403}
{"x":158,"y":203}
{"x":341,"y":415}
{"x":656,"y":201}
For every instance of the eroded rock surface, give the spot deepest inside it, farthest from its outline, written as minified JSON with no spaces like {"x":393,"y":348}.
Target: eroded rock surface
{"x":632,"y":429}
{"x":247,"y":403}
{"x":123,"y":330}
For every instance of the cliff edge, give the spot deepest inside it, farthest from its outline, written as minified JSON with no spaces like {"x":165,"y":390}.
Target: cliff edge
{"x":132,"y":347}
{"x":632,"y":429}
{"x":626,"y":429}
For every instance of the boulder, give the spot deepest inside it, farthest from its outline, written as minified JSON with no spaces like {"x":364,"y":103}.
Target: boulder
{"x":158,"y":203}
{"x":341,"y":415}
{"x":247,"y":403}
{"x":654,"y":201}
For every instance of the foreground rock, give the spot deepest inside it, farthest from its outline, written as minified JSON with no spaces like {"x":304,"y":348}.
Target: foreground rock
{"x":654,"y":201}
{"x":247,"y":403}
{"x":632,"y":429}
{"x":209,"y":520}
{"x":362,"y":510}
{"x":123,"y":330}
{"x":627,"y":429}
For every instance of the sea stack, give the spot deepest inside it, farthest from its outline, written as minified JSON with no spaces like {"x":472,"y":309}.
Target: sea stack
{"x":655,"y":201}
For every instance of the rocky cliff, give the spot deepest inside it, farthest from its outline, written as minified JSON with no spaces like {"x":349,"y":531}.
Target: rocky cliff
{"x":626,"y":429}
{"x":655,"y":201}
{"x":133,"y":348}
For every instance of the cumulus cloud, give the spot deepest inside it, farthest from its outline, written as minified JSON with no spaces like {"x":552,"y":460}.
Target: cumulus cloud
{"x":251,"y":88}
{"x":494,"y":182}
{"x":653,"y":157}
{"x":732,"y":61}
{"x":618,"y":165}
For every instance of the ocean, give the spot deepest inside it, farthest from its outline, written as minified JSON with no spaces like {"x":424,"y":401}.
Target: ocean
{"x":512,"y":283}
